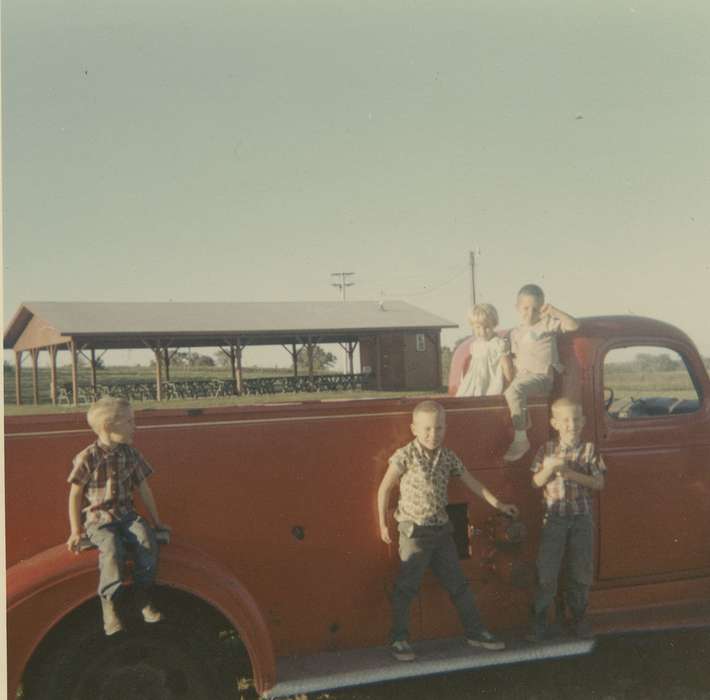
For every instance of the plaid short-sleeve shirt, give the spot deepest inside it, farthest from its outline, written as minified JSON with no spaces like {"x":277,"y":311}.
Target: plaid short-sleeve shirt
{"x":423,"y":487}
{"x":563,"y":496}
{"x":109,"y":477}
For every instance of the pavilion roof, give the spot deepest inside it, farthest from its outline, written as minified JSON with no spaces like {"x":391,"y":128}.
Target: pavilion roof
{"x":131,"y":324}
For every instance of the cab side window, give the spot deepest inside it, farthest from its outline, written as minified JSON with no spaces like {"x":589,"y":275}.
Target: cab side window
{"x":647,"y":382}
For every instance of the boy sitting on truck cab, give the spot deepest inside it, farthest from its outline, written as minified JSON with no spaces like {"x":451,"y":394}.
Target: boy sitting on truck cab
{"x":567,"y":470}
{"x":102,"y":480}
{"x":534,"y":345}
{"x":422,"y":468}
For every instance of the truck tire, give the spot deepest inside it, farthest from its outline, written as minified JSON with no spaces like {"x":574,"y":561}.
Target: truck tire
{"x":176,"y":659}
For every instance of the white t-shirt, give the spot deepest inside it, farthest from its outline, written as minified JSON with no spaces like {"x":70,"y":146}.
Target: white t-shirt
{"x":535,"y":347}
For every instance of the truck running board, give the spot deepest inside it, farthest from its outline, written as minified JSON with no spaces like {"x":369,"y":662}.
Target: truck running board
{"x":339,"y":669}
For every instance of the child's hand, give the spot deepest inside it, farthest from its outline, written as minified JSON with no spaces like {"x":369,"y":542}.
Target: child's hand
{"x":554,"y":464}
{"x":385,"y":534}
{"x":73,"y":542}
{"x":564,"y":472}
{"x":509,"y":509}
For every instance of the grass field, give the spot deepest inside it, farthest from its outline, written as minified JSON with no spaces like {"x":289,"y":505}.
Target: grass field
{"x":674,"y":384}
{"x":626,"y":384}
{"x":118,"y":375}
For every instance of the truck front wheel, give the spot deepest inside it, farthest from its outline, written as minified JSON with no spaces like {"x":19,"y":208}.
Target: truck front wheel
{"x":170,"y":660}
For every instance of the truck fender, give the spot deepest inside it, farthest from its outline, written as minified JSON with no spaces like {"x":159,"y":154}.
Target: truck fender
{"x":43,"y":589}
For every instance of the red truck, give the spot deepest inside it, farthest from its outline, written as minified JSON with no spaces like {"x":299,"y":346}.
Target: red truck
{"x":276,"y":570}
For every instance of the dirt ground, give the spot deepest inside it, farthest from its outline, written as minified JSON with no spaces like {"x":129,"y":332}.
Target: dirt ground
{"x":659,"y":666}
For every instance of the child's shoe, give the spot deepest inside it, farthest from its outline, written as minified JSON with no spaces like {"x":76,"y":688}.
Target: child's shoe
{"x":536,"y":634}
{"x":517,"y":449}
{"x":582,"y":629}
{"x":150,"y":614}
{"x":402,"y":650}
{"x":112,"y":623}
{"x":485,"y":640}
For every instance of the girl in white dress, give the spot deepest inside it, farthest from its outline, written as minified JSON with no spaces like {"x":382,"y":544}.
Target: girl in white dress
{"x":490,"y":366}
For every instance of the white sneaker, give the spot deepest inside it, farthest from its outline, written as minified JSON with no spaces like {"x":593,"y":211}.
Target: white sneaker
{"x":112,"y":623}
{"x":402,"y":651}
{"x":151,"y":615}
{"x":517,"y":449}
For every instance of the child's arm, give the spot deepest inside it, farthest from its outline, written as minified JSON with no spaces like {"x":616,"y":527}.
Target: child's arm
{"x":482,"y":492}
{"x":147,"y":497}
{"x":389,"y":481}
{"x":76,"y":493}
{"x":567,"y":323}
{"x":592,"y":482}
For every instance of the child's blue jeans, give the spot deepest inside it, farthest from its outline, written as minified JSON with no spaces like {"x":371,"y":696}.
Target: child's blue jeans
{"x":573,"y":536}
{"x":111,"y":539}
{"x":422,"y":547}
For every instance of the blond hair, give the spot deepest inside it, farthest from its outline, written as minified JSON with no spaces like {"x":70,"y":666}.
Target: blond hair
{"x":484,"y":312}
{"x":103,"y":410}
{"x":564,"y":402}
{"x":427,"y":406}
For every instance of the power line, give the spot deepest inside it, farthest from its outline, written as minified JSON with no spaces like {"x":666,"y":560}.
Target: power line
{"x":431,"y":290}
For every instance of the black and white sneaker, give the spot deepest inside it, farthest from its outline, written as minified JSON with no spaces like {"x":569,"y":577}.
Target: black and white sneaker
{"x":485,"y":640}
{"x":402,"y":650}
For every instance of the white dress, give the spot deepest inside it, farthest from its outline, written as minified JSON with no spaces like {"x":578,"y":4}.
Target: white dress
{"x":484,"y":376}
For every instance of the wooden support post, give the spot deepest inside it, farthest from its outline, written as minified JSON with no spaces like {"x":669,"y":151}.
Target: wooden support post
{"x":34,"y":353}
{"x":310,"y":348}
{"x":18,"y":377}
{"x":238,"y":357}
{"x":166,"y":360}
{"x":232,"y":355}
{"x":53,"y":349}
{"x":158,"y":374}
{"x":378,"y":361}
{"x":74,"y":373}
{"x":351,"y":352}
{"x":93,"y":368}
{"x":437,"y":362}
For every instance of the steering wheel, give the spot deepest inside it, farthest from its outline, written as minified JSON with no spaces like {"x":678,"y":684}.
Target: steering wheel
{"x":610,"y":400}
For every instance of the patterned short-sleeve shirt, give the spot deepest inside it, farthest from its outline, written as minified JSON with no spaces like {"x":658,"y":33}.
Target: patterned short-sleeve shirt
{"x":423,"y":487}
{"x":109,"y":477}
{"x":563,"y":496}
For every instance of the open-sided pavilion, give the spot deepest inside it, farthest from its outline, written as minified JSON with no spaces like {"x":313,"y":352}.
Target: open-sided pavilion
{"x":88,"y":328}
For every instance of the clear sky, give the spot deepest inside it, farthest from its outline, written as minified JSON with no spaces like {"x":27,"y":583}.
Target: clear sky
{"x":228,"y":150}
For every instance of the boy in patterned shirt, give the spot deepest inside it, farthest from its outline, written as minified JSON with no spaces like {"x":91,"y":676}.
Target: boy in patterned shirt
{"x":568,"y":470}
{"x":102,"y":480}
{"x":422,"y":468}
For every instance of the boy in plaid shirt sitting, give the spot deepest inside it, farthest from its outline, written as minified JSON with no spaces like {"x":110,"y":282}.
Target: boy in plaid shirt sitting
{"x":568,"y":470}
{"x":102,"y":480}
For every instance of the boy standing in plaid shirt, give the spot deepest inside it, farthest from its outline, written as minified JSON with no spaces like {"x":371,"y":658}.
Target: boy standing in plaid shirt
{"x":568,"y":470}
{"x":102,"y":480}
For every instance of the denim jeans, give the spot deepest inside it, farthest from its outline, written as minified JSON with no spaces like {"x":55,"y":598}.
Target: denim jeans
{"x":111,"y":539}
{"x":421,"y":547}
{"x":572,"y":535}
{"x":517,"y":393}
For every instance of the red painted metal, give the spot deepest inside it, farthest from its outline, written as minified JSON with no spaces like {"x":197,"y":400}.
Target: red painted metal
{"x":274,"y":515}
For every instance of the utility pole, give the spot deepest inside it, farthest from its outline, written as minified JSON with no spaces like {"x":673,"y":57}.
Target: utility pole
{"x":472,"y":263}
{"x":342,"y":285}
